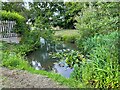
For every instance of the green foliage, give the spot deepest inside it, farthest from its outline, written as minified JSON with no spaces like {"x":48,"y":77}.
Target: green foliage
{"x":98,"y":26}
{"x":31,"y":38}
{"x":43,"y":28}
{"x":13,"y":16}
{"x":98,"y":20}
{"x":41,"y":24}
{"x":101,"y":69}
{"x":23,"y":49}
{"x":66,"y":38}
{"x":13,"y":60}
{"x":70,"y":39}
{"x":16,"y":7}
{"x":56,"y":13}
{"x":88,"y":45}
{"x":47,"y":11}
{"x":71,"y":57}
{"x":71,"y":10}
{"x":30,"y":41}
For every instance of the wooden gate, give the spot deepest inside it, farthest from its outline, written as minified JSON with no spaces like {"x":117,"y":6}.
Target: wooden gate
{"x":6,"y":29}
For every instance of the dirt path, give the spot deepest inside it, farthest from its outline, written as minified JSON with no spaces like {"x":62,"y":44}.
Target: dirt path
{"x":24,"y":79}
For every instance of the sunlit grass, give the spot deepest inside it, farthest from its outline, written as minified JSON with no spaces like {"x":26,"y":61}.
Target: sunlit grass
{"x":67,"y":35}
{"x":66,"y":32}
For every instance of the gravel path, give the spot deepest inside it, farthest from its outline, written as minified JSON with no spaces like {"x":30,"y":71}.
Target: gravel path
{"x":24,"y":79}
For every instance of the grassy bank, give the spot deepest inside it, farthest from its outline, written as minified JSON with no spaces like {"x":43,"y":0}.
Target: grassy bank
{"x":15,"y":60}
{"x":66,"y":35}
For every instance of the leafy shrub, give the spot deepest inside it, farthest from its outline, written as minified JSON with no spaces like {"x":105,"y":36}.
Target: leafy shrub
{"x":13,"y":60}
{"x":23,"y":49}
{"x":32,"y":37}
{"x":29,"y":42}
{"x":47,"y":34}
{"x":98,"y":20}
{"x":44,"y":28}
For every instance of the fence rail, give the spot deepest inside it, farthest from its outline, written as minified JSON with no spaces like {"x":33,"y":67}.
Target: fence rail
{"x":6,"y":29}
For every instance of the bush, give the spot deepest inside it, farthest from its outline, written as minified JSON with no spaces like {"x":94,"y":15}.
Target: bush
{"x":98,"y":20}
{"x":43,"y":28}
{"x":13,"y":60}
{"x":32,"y":37}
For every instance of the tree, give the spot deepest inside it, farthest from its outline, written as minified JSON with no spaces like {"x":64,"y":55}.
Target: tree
{"x":101,"y":18}
{"x":51,"y":12}
{"x":18,"y":7}
{"x":71,"y":10}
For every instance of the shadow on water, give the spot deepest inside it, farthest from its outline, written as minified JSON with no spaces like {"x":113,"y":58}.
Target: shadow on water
{"x":40,"y":59}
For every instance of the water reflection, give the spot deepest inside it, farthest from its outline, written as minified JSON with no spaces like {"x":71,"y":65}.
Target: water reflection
{"x":62,"y":69}
{"x":36,"y":65}
{"x":40,"y":59}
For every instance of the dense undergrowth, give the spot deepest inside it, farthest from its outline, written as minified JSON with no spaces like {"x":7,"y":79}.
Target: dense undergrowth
{"x":101,"y":66}
{"x":99,"y":41}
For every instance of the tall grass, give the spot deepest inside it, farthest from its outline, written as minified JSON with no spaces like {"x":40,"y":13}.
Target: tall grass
{"x":101,"y":68}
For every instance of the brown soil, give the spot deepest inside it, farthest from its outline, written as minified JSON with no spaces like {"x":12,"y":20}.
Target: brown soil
{"x":24,"y":79}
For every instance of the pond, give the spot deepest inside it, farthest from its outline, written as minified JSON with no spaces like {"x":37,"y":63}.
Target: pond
{"x":41,"y":59}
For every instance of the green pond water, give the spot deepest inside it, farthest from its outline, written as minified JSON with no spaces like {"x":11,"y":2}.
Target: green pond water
{"x":41,"y":59}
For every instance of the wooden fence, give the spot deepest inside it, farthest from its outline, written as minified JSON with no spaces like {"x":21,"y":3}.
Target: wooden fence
{"x":6,"y":29}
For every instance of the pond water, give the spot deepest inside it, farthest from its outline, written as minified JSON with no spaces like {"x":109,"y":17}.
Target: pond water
{"x":41,"y":59}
